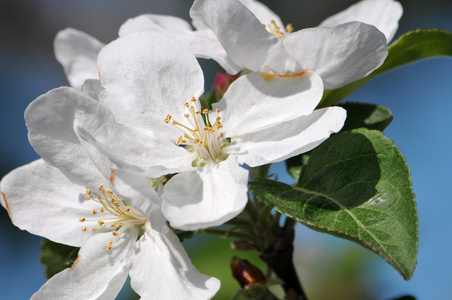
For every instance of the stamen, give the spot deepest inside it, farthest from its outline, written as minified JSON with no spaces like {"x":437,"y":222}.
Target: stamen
{"x":168,"y":118}
{"x":82,"y":219}
{"x":200,"y":134}
{"x":109,"y":247}
{"x":84,"y":229}
{"x":289,"y":28}
{"x":94,"y":212}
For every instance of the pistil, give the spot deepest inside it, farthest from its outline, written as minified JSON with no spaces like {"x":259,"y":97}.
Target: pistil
{"x":200,"y":134}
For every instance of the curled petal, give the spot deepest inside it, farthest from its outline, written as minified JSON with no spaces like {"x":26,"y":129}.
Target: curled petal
{"x":77,"y":52}
{"x":289,"y":138}
{"x":51,"y":120}
{"x":255,"y":101}
{"x":241,"y":34}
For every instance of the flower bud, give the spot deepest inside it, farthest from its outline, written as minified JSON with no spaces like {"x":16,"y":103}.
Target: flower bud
{"x":222,"y":82}
{"x":246,"y":273}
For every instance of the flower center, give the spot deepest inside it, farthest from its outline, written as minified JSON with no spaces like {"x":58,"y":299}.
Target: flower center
{"x":274,"y":29}
{"x":201,"y":134}
{"x":113,"y":213}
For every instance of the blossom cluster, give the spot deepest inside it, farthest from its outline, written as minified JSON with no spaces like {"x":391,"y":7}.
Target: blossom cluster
{"x":135,"y":115}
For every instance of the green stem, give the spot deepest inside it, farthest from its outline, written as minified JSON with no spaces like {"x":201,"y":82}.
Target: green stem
{"x":226,"y":234}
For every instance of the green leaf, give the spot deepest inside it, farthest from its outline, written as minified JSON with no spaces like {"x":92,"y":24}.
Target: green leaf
{"x":184,"y":235}
{"x":359,"y":115}
{"x":356,"y":185}
{"x":365,"y":115}
{"x":56,"y":257}
{"x":410,"y":47}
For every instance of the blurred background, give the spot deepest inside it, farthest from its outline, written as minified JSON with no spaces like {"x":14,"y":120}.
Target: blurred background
{"x":419,"y":95}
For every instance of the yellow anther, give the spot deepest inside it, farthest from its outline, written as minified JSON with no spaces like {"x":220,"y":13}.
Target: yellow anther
{"x":94,"y":212}
{"x":100,"y":223}
{"x":88,"y":197}
{"x":221,"y":134}
{"x":212,"y":130}
{"x":193,"y":99}
{"x":217,"y":110}
{"x":121,"y":212}
{"x":109,"y":247}
{"x":115,"y":233}
{"x":127,"y":208}
{"x":186,"y":104}
{"x":187,"y":116}
{"x":101,"y":187}
{"x":198,"y":112}
{"x":168,"y":118}
{"x":88,"y":192}
{"x":205,"y":111}
{"x":82,"y":219}
{"x":289,"y":28}
{"x":110,"y":192}
{"x":197,"y":142}
{"x":102,"y":209}
{"x":84,"y":229}
{"x":115,"y":202}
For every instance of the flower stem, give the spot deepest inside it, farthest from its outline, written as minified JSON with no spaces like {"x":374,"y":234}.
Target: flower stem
{"x":227,"y":234}
{"x":279,"y":256}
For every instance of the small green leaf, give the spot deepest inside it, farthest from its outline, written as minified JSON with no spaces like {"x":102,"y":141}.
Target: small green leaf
{"x":365,"y":115}
{"x":184,"y":235}
{"x":410,"y":47}
{"x":56,"y":257}
{"x":356,"y":185}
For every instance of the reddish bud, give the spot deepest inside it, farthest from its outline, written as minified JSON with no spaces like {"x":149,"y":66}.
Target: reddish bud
{"x":222,"y":82}
{"x":246,"y":273}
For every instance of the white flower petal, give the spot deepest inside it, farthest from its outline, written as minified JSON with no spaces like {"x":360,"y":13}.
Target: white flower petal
{"x":242,"y":35}
{"x":42,"y":201}
{"x":213,"y":195}
{"x":148,"y":73}
{"x":383,"y":14}
{"x":254,"y":103}
{"x":139,"y":151}
{"x":288,"y":139}
{"x":203,"y":43}
{"x":97,"y":273}
{"x":77,"y":52}
{"x":158,"y":23}
{"x":161,"y":269}
{"x":92,"y":88}
{"x":340,"y":54}
{"x":51,"y":120}
{"x":263,"y":13}
{"x":137,"y":191}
